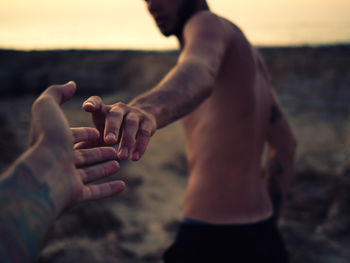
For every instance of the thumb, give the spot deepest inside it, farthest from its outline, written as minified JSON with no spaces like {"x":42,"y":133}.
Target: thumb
{"x":61,"y":93}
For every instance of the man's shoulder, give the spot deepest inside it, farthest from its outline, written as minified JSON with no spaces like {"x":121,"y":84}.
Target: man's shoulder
{"x":209,"y":20}
{"x":205,"y":17}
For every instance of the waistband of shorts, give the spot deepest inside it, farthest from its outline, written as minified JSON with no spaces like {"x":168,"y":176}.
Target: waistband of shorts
{"x":195,"y":222}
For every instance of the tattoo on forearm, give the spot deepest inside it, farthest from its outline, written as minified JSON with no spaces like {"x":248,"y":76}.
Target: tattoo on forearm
{"x":275,"y":113}
{"x":25,"y":212}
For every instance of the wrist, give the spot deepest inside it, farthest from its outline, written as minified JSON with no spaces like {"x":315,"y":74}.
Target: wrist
{"x":151,"y":111}
{"x":46,"y":167}
{"x":27,"y":211}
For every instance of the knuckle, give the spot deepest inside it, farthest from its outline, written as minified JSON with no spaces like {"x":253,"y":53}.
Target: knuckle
{"x":149,"y":127}
{"x":132,"y":116}
{"x":92,"y":133}
{"x":150,"y":122}
{"x":145,"y":132}
{"x":42,"y":101}
{"x":115,"y":113}
{"x":102,"y":172}
{"x":141,"y":145}
{"x":119,"y":105}
{"x":131,"y":122}
{"x":85,"y":154}
{"x":98,"y":98}
{"x":83,"y":175}
{"x":128,"y":140}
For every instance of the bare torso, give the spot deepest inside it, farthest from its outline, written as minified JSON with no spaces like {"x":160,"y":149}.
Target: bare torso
{"x":225,"y":139}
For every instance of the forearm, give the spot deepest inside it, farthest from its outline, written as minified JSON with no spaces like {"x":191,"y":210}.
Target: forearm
{"x":179,"y":93}
{"x":279,"y":173}
{"x":26,"y":212}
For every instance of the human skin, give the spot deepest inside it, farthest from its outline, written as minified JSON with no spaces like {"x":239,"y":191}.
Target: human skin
{"x":50,"y":177}
{"x":221,"y":90}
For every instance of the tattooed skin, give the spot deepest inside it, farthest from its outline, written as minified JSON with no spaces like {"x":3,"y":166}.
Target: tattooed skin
{"x":25,"y":207}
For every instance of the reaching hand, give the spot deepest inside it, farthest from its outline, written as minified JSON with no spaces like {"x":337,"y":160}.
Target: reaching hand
{"x":93,"y":164}
{"x":127,"y":125}
{"x":68,"y":172}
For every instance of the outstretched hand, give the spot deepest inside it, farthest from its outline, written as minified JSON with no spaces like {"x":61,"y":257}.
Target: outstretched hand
{"x":127,"y":125}
{"x":68,"y":172}
{"x":93,"y":164}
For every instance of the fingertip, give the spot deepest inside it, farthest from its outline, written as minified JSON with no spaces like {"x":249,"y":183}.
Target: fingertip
{"x":88,"y":106}
{"x":117,"y":165}
{"x":114,"y":153}
{"x":110,"y":139}
{"x":123,"y":184}
{"x":94,"y":103}
{"x":96,"y":133}
{"x":123,"y":154}
{"x":135,"y":156}
{"x":68,"y":91}
{"x":72,"y":83}
{"x":118,"y":186}
{"x":112,"y":167}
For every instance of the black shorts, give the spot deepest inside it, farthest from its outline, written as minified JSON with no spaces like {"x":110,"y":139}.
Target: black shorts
{"x":200,"y":242}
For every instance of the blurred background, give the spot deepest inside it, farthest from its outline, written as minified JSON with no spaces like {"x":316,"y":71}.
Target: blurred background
{"x":118,"y":24}
{"x":113,"y":49}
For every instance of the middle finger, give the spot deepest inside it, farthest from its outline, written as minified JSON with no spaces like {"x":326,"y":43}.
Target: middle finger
{"x":128,"y":139}
{"x":85,"y":134}
{"x":113,"y":123}
{"x":85,"y":157}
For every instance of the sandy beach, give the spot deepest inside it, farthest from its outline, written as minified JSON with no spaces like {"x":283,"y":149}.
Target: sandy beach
{"x":313,"y":85}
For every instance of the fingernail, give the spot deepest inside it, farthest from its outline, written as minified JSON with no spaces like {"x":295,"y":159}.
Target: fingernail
{"x":110,"y":137}
{"x":136,"y":156}
{"x":123,"y":153}
{"x":89,"y":103}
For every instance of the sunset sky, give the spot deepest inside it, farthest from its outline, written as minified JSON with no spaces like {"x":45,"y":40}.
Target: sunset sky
{"x":114,"y":24}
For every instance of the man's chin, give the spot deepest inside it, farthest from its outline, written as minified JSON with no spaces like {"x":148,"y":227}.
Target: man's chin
{"x":166,"y":33}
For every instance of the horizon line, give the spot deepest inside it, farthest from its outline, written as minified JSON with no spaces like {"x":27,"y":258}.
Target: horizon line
{"x":330,"y":44}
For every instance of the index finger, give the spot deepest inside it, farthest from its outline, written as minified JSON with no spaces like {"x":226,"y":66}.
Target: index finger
{"x":98,"y":111}
{"x":93,"y":104}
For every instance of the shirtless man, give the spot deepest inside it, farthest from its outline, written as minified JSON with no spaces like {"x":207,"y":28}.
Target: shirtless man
{"x":221,"y":90}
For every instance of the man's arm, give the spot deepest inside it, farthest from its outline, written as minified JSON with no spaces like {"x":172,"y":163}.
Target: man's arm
{"x":179,"y":93}
{"x":50,"y":177}
{"x":193,"y":77}
{"x":26,"y":210}
{"x":280,"y":156}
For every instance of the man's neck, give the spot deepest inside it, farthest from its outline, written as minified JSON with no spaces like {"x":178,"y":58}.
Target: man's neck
{"x":199,"y":6}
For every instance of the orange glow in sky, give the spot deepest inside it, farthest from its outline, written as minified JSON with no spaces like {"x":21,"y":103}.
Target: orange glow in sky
{"x":114,"y":24}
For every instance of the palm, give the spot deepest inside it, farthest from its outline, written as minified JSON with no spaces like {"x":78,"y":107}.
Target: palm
{"x":79,"y":167}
